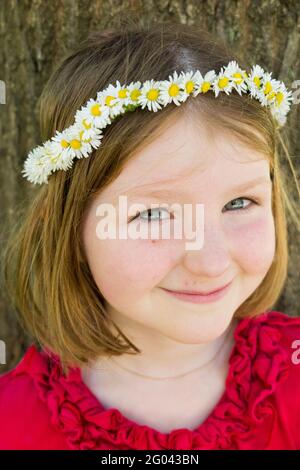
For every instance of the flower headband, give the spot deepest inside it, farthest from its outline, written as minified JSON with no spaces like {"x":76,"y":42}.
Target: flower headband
{"x":79,"y":140}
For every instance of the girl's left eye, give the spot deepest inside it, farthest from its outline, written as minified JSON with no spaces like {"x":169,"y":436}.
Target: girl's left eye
{"x":248,"y":207}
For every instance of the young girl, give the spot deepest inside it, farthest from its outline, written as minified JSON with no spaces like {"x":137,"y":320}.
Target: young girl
{"x":148,"y":342}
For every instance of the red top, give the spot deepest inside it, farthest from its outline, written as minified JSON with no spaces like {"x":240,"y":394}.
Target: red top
{"x":40,"y":408}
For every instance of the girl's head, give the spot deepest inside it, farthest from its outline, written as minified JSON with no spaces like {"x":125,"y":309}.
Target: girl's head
{"x":69,"y":286}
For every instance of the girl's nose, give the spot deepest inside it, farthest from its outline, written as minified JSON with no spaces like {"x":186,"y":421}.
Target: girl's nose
{"x":213,"y":258}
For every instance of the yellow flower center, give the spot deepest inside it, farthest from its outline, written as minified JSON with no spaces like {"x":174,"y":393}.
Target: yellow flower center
{"x":75,"y":144}
{"x":152,"y":94}
{"x":279,"y":97}
{"x":256,"y":80}
{"x":189,"y":86}
{"x":64,"y":143}
{"x":223,"y":82}
{"x":86,"y":125}
{"x":95,"y":110}
{"x":173,"y":90}
{"x":238,"y":76}
{"x":268,"y":88}
{"x":271,"y":95}
{"x":135,"y":94}
{"x":205,"y":87}
{"x":122,"y":93}
{"x":108,"y":100}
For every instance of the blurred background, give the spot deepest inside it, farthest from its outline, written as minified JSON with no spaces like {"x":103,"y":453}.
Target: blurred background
{"x":36,"y":34}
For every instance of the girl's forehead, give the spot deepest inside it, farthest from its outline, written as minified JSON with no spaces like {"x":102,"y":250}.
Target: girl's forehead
{"x":187,"y":148}
{"x":213,"y":180}
{"x":187,"y":153}
{"x":185,"y":171}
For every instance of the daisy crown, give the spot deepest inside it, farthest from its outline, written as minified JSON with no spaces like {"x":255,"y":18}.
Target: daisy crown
{"x":81,"y":138}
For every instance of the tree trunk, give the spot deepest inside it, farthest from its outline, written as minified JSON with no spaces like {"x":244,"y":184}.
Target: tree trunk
{"x":36,"y":34}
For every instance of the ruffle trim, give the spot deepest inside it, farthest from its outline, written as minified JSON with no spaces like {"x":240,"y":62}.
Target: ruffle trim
{"x":257,"y":364}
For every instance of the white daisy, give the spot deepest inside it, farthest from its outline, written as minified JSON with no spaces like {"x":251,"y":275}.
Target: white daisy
{"x":109,"y":97}
{"x":37,"y":167}
{"x":122,"y":94}
{"x":94,"y":113}
{"x":283,"y":99}
{"x":78,"y":148}
{"x":204,"y":84}
{"x":61,"y":138}
{"x":171,"y":90}
{"x":254,"y":80}
{"x":238,"y":77}
{"x":94,"y":136}
{"x":150,"y":94}
{"x":64,"y":160}
{"x":61,"y":150}
{"x":222,"y":83}
{"x":188,"y":83}
{"x":268,"y":90}
{"x":281,"y":104}
{"x":86,"y":124}
{"x":134,"y":91}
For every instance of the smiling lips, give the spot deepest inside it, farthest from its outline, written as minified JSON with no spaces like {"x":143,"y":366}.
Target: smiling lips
{"x":196,"y":297}
{"x":190,"y":292}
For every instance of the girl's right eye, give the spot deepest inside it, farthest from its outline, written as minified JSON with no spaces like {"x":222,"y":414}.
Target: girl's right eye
{"x":150,"y":211}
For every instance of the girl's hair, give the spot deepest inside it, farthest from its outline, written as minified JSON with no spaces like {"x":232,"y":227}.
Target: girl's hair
{"x":45,"y":268}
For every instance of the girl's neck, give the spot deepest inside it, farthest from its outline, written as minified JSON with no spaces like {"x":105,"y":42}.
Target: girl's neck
{"x":116,"y":366}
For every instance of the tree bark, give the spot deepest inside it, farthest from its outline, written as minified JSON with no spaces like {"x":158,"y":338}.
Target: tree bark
{"x":36,"y":34}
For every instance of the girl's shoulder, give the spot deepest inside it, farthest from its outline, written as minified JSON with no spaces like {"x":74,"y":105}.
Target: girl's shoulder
{"x":25,"y":420}
{"x":271,"y":331}
{"x":272,"y":324}
{"x":272,"y":341}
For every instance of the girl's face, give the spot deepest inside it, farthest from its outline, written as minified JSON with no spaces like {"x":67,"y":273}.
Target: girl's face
{"x":195,"y":164}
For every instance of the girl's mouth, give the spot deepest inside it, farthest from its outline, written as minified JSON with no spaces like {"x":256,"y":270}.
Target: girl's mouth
{"x":198,"y":298}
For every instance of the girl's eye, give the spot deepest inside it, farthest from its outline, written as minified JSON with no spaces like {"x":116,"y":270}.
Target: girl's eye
{"x":157,"y":210}
{"x":246,"y":208}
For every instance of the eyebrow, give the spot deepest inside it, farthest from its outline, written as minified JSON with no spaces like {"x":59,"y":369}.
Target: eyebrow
{"x":168,"y":193}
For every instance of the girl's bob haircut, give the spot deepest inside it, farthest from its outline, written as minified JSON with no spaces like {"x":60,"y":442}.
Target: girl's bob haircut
{"x":45,"y":269}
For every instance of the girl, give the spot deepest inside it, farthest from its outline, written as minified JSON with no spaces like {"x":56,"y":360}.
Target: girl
{"x":144,"y":342}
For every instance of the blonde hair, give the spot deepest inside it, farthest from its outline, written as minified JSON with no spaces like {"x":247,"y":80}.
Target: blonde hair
{"x":45,"y":269}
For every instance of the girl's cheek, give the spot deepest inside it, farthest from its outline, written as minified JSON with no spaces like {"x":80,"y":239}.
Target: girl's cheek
{"x":144,"y":261}
{"x":122,"y":266}
{"x":253,"y":243}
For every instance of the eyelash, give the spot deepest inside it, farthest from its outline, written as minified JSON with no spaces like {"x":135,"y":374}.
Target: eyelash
{"x":247,"y":208}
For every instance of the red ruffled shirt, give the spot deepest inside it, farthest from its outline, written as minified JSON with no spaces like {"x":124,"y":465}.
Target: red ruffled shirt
{"x":40,"y":408}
